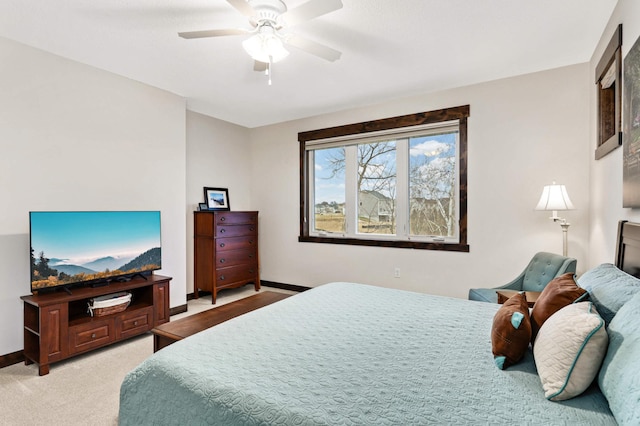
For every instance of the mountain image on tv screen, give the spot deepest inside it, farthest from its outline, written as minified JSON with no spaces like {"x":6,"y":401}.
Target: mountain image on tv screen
{"x":69,"y":248}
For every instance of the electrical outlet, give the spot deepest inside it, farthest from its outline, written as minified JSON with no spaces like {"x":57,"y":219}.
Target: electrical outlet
{"x":396,"y":272}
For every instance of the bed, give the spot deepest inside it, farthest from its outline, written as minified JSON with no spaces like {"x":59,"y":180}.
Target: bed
{"x":353,"y":354}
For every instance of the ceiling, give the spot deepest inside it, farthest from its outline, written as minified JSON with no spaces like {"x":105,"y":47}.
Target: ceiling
{"x":390,"y":49}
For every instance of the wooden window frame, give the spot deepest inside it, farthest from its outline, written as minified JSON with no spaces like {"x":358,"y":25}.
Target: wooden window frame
{"x":460,"y":113}
{"x":610,"y":98}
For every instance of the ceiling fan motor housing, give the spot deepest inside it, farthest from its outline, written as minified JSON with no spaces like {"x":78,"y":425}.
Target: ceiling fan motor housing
{"x":267,"y":12}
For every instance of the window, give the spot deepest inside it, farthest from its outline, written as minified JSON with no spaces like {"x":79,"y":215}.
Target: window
{"x":609,"y":84}
{"x":396,"y":182}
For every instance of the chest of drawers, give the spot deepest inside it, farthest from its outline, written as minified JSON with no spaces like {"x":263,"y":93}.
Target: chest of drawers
{"x":225,"y":251}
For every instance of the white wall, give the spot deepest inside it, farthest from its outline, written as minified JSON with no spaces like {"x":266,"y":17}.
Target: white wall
{"x":219,"y":156}
{"x":606,"y":173}
{"x":524,"y":132}
{"x":77,"y":138}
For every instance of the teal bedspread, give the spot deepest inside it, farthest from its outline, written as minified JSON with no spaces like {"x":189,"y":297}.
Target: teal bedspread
{"x":347,"y":354}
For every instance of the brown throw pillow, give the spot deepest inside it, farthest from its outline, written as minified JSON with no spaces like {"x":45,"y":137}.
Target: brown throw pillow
{"x":560,"y":292}
{"x":511,"y":331}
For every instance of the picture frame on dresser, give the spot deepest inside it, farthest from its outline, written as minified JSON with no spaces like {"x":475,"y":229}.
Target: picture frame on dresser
{"x":217,"y":199}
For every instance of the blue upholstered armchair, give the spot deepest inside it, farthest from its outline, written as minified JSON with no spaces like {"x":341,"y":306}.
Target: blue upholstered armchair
{"x":543,"y":268}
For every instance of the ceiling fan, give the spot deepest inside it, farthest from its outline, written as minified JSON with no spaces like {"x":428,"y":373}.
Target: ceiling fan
{"x":268,"y":19}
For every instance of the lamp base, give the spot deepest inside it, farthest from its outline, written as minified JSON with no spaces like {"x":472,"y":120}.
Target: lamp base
{"x":565,"y":237}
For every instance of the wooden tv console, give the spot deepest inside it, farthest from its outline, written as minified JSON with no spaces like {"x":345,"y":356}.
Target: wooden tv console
{"x":57,"y":325}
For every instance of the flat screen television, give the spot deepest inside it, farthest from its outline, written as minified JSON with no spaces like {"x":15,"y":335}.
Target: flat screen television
{"x":92,"y":247}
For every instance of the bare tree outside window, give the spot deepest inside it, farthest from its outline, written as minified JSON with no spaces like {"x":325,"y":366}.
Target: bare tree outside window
{"x":377,"y":187}
{"x":432,"y":185}
{"x":329,"y":212}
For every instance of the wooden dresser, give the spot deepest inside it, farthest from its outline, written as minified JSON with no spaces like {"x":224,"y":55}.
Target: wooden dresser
{"x":225,"y":251}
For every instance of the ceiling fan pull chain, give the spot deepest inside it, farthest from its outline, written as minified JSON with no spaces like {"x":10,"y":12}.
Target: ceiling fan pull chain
{"x":268,"y":71}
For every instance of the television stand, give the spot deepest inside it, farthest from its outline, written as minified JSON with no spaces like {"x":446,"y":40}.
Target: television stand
{"x":57,"y":325}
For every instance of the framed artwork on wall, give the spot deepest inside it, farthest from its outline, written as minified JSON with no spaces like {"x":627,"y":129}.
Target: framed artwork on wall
{"x":631,"y":129}
{"x":217,"y":198}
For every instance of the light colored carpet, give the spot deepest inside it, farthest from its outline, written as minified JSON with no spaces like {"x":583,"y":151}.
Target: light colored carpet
{"x":85,"y":390}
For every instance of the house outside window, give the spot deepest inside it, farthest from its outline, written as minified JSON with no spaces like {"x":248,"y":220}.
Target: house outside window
{"x":397,"y":182}
{"x":375,"y":211}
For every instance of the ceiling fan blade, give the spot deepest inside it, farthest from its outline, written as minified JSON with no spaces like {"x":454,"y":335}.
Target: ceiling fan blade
{"x":259,"y":66}
{"x":317,"y":49}
{"x":309,"y":10}
{"x":243,"y":7}
{"x":213,"y":33}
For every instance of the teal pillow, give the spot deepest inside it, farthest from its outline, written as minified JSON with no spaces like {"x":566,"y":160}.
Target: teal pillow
{"x":609,"y":288}
{"x":619,"y":377}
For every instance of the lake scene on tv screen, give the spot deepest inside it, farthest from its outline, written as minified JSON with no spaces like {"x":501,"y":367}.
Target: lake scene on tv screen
{"x":74,"y":247}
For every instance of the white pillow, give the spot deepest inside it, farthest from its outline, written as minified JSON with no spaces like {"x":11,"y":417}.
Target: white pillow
{"x":569,"y":349}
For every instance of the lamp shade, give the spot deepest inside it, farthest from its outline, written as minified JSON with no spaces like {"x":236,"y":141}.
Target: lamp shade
{"x":554,"y":197}
{"x":265,"y":46}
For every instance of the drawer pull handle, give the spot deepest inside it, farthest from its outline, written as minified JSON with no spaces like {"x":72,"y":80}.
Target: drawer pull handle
{"x":222,"y":231}
{"x":250,"y":256}
{"x":135,"y":323}
{"x":221,"y":277}
{"x":221,"y":244}
{"x":250,"y":242}
{"x":252,"y":228}
{"x":93,"y":335}
{"x":222,"y":219}
{"x":251,"y":271}
{"x":222,"y":260}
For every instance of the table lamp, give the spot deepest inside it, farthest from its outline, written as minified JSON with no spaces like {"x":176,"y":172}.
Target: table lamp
{"x":555,"y":197}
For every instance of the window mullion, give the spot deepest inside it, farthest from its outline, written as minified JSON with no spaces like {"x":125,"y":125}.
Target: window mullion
{"x":351,"y":190}
{"x":457,"y":184}
{"x":311,"y":180}
{"x":402,"y":188}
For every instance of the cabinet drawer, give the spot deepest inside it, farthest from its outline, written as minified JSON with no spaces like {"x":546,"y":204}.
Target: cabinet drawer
{"x":235,"y":257}
{"x":132,"y":323}
{"x":90,"y":335}
{"x":237,"y":243}
{"x":227,"y":276}
{"x":235,"y":218}
{"x":235,"y":230}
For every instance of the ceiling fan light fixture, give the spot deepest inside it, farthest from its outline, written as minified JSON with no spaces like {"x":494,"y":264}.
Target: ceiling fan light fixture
{"x":265,"y":46}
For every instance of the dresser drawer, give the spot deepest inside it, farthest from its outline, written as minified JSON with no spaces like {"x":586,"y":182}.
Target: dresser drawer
{"x":235,"y":230}
{"x":205,"y":223}
{"x":237,"y":243}
{"x":228,"y":258}
{"x":236,"y":218}
{"x":234,"y":274}
{"x":132,"y":323}
{"x":90,"y":335}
